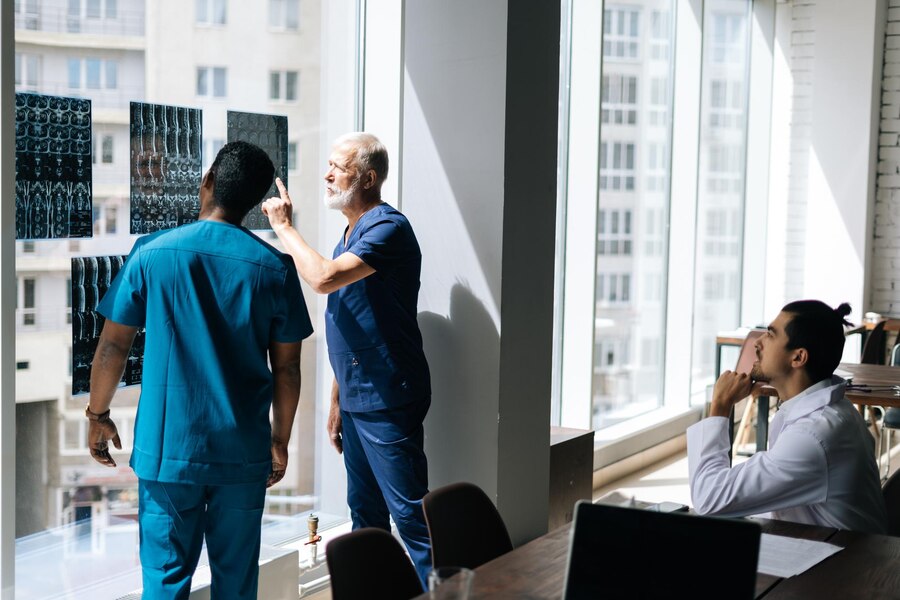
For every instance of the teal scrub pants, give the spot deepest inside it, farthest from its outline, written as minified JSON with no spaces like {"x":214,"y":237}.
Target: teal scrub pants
{"x":175,"y":517}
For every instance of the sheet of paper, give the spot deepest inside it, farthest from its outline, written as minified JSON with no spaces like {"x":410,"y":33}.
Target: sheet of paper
{"x":785,"y":556}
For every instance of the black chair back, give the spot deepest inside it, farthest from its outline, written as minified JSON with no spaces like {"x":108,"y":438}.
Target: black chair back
{"x":465,"y":528}
{"x":873,"y":351}
{"x":891,"y":491}
{"x":370,"y":563}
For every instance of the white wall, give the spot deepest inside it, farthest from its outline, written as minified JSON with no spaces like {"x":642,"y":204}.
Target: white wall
{"x":885,"y":284}
{"x":836,"y":58}
{"x":479,"y":179}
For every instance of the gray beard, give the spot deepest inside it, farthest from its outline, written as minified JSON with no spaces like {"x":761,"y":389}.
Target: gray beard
{"x":338,"y":201}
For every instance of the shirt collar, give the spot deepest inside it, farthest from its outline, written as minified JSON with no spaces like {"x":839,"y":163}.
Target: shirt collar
{"x":814,"y":397}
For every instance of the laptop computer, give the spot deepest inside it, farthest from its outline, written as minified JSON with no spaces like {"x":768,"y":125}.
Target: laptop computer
{"x":618,"y":552}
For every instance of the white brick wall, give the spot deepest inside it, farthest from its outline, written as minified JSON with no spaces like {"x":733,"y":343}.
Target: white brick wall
{"x":885,"y":297}
{"x":802,"y":52}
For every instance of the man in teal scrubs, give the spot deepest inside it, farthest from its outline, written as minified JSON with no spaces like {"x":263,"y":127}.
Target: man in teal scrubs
{"x":219,"y":305}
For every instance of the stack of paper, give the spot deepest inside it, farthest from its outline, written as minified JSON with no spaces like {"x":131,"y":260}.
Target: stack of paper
{"x":785,"y":556}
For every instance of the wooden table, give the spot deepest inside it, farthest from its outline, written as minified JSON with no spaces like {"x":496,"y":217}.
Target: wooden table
{"x":865,"y":568}
{"x":873,"y":375}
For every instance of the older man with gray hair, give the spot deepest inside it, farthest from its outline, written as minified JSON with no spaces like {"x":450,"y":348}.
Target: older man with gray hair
{"x":382,"y":387}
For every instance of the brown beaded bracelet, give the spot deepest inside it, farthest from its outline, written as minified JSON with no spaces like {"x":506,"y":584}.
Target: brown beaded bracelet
{"x":104,"y":416}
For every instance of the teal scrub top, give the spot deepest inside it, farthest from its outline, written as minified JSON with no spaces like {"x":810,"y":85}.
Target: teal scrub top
{"x":212,"y":296}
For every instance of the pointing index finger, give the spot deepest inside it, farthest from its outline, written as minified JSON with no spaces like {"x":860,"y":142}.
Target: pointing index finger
{"x":281,"y":189}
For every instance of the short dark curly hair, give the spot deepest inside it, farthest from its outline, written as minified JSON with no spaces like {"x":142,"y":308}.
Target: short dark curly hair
{"x":819,"y":329}
{"x":242,"y":174}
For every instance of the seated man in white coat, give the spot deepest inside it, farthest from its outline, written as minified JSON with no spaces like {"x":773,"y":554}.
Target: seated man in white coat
{"x":820,"y":466}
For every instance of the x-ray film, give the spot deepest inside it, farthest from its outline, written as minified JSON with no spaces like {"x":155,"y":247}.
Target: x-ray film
{"x":165,"y":166}
{"x":53,"y":167}
{"x":269,"y":132}
{"x":91,"y":277}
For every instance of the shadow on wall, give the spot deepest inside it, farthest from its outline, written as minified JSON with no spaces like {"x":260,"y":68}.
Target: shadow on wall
{"x":461,"y":432}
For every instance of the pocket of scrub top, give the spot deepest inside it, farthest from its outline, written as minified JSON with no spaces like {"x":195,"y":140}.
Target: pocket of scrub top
{"x":379,"y":377}
{"x":156,"y":541}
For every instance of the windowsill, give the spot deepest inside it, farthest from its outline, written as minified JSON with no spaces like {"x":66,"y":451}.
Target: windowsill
{"x":105,"y":563}
{"x":625,"y":439}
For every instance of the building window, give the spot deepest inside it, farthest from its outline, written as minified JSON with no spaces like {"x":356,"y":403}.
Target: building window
{"x":28,"y":247}
{"x":614,"y":232}
{"x":616,"y":166}
{"x":659,"y":102}
{"x":28,"y":71}
{"x":660,"y":32}
{"x":726,"y":104}
{"x":74,"y":69}
{"x":107,"y":149}
{"x":210,"y":150}
{"x":283,"y":85}
{"x":211,"y":12}
{"x":621,"y":33}
{"x":112,"y":74}
{"x":112,"y":214}
{"x":22,"y":365}
{"x":657,"y":166}
{"x":28,"y":11}
{"x":722,"y":237}
{"x":211,"y":82}
{"x":728,"y":39}
{"x":28,"y":301}
{"x":284,"y":14}
{"x":92,"y":9}
{"x":79,"y":10}
{"x":613,"y":288}
{"x":93,"y":74}
{"x":619,"y":99}
{"x":292,"y":156}
{"x":725,"y":169}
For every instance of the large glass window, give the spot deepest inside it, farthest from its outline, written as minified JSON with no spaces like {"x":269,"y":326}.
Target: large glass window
{"x":628,"y":377}
{"x":720,"y":201}
{"x":631,"y":224}
{"x":80,"y":514}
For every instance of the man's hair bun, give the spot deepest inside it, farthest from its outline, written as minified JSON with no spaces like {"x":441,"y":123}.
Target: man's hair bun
{"x":843,"y":310}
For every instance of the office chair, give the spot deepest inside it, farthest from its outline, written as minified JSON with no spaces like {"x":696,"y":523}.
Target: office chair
{"x":465,"y":528}
{"x":889,"y":423}
{"x":873,"y":351}
{"x":891,"y":491}
{"x":370,"y":563}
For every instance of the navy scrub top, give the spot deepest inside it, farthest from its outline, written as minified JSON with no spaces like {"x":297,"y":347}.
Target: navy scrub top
{"x":374,"y":342}
{"x":212,"y":296}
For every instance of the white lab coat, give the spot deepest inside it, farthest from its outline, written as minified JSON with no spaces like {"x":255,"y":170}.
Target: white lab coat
{"x":820,"y":467}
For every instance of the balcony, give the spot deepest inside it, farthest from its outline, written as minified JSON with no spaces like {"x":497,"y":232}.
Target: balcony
{"x":54,"y":26}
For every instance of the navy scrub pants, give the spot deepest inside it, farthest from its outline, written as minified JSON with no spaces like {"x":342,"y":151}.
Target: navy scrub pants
{"x":174,"y":518}
{"x":387,"y":475}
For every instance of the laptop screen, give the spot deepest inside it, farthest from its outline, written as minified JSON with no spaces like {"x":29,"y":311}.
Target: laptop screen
{"x":617,"y":552}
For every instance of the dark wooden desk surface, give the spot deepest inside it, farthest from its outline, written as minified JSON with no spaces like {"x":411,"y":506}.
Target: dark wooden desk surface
{"x":534,"y":571}
{"x":867,"y":568}
{"x":537,"y":570}
{"x":873,"y":375}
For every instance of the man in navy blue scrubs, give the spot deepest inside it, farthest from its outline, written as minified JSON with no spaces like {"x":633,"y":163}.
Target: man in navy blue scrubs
{"x":382,"y":387}
{"x":218,"y":305}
